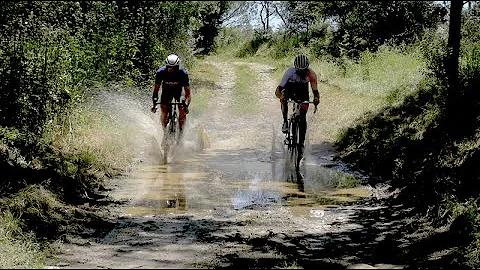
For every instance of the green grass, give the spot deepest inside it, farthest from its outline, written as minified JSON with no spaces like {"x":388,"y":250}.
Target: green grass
{"x":31,"y":208}
{"x":242,"y":91}
{"x":17,"y":249}
{"x":94,"y":131}
{"x":464,"y":219}
{"x":204,"y":77}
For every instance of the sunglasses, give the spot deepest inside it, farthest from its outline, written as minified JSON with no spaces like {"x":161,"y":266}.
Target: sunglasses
{"x":301,"y":70}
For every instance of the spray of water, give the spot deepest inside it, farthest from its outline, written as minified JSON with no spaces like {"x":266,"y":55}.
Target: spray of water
{"x":239,"y":148}
{"x":141,"y":128}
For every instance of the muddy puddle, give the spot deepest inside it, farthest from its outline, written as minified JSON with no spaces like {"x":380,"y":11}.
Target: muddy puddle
{"x":223,"y":182}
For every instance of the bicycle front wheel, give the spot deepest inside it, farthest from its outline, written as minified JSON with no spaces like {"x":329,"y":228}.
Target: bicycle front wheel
{"x":294,"y":144}
{"x":169,"y":138}
{"x":166,"y":149}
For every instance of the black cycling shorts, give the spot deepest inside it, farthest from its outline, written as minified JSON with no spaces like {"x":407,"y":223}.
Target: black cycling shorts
{"x":169,"y":94}
{"x":295,"y":92}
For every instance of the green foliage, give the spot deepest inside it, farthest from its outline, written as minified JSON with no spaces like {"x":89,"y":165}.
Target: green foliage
{"x":356,"y":26}
{"x":250,"y":47}
{"x":362,"y":24}
{"x":433,"y":47}
{"x":18,"y":249}
{"x":347,"y":181}
{"x":243,"y":101}
{"x":321,"y":40}
{"x":230,"y":40}
{"x":208,"y":20}
{"x":282,"y":45}
{"x":36,"y":208}
{"x":418,"y":145}
{"x":391,"y":73}
{"x":300,"y":15}
{"x":50,"y":53}
{"x":463,"y":218}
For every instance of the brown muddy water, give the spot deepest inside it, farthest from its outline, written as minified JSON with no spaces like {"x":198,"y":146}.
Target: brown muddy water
{"x":225,"y":181}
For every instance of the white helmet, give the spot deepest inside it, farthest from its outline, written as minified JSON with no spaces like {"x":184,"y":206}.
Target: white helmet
{"x":172,"y":60}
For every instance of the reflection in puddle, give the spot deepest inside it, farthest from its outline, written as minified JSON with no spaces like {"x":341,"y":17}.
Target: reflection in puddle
{"x":228,"y":182}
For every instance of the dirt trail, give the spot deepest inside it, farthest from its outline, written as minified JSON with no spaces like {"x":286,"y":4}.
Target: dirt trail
{"x":235,"y":204}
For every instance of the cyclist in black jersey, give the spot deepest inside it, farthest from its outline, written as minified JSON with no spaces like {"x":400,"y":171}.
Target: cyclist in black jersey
{"x":173,"y":79}
{"x":294,"y":85}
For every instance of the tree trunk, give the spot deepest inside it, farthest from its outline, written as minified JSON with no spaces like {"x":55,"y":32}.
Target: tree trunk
{"x":451,"y":67}
{"x":268,"y":15}
{"x":454,"y":43}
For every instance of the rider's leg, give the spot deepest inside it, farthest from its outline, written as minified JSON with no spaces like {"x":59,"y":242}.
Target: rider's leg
{"x":284,"y":108}
{"x":164,"y":109}
{"x":164,"y":118}
{"x":302,"y":129}
{"x":165,"y":98}
{"x":182,"y":118}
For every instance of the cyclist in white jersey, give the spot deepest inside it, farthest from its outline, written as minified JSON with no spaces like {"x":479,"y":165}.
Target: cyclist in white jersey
{"x":294,"y":85}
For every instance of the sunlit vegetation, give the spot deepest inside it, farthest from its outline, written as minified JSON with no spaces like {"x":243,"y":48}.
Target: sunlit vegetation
{"x":18,"y":249}
{"x":204,"y":78}
{"x":245,"y":82}
{"x":385,"y":99}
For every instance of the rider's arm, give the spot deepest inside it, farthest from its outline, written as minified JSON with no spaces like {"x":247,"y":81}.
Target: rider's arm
{"x":156,"y":88}
{"x":281,"y":86}
{"x":186,"y":87}
{"x":187,"y":95}
{"x":313,"y":84}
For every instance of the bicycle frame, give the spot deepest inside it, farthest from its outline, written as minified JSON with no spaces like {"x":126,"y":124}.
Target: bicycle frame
{"x":172,"y":135}
{"x":292,"y":136}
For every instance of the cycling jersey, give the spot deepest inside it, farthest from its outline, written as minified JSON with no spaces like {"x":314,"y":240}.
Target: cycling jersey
{"x":296,"y":87}
{"x":172,"y":83}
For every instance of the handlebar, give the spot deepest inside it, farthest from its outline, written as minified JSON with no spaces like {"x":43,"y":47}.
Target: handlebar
{"x":173,"y":103}
{"x":302,"y":102}
{"x":154,"y":108}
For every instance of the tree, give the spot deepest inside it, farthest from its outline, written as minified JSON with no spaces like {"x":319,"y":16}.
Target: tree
{"x":209,"y":18}
{"x":240,"y":14}
{"x":363,"y":22}
{"x":300,"y":15}
{"x":453,"y":44}
{"x":266,"y":11}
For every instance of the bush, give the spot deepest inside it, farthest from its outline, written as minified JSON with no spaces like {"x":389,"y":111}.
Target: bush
{"x":251,"y":47}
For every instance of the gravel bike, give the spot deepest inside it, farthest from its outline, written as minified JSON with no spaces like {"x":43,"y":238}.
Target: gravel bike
{"x":293,"y":134}
{"x":172,"y":136}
